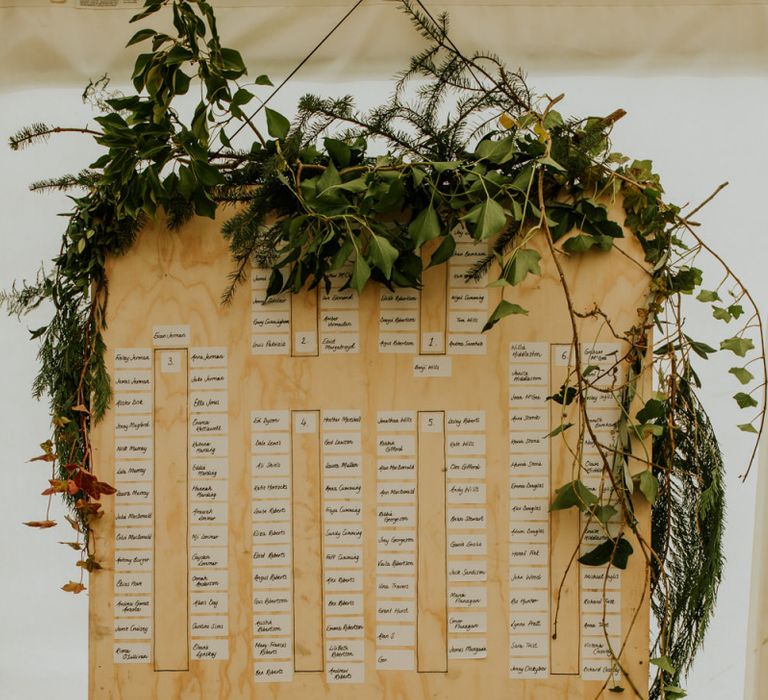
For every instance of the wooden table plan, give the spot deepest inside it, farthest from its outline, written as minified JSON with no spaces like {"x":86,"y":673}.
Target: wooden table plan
{"x":328,"y":495}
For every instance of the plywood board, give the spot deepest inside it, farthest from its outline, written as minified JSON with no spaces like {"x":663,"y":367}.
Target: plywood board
{"x":341,"y":496}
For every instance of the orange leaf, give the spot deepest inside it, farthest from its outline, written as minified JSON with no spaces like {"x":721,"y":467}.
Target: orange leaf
{"x":44,"y":458}
{"x":80,"y":408}
{"x":90,"y":564}
{"x":42,"y":524}
{"x":57,"y":486}
{"x":75,"y":525}
{"x":73,"y":587}
{"x":75,"y":545}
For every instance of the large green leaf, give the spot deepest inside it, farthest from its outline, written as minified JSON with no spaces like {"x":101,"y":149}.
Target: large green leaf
{"x":486,"y":219}
{"x":615,"y":551}
{"x":425,"y":226}
{"x":736,"y":345}
{"x":574,"y":495}
{"x":504,"y":308}
{"x":361,"y":273}
{"x":382,"y":254}
{"x":522,"y":262}
{"x":278,"y":126}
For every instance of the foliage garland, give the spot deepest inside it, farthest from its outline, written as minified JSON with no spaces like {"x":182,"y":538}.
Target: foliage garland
{"x":465,"y":145}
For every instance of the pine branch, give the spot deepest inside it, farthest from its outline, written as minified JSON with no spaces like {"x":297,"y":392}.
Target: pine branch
{"x":37,"y":132}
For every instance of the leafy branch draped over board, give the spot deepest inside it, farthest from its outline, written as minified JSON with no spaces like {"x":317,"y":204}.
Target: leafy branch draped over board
{"x":462,"y":144}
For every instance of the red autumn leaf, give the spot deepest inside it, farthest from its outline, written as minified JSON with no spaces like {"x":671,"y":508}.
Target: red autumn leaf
{"x":73,"y":587}
{"x":91,"y":485}
{"x":88,"y":507}
{"x":42,"y":524}
{"x":75,"y":545}
{"x":72,"y":487}
{"x":71,"y":467}
{"x":106,"y":489}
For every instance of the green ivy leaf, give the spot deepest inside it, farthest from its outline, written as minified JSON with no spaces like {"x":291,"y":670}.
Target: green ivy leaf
{"x":263,"y":80}
{"x":674,"y":692}
{"x":361,"y":273}
{"x":649,"y":486}
{"x":742,"y":374}
{"x":522,"y":262}
{"x":582,"y":243}
{"x":615,"y":551}
{"x":550,"y":163}
{"x":603,"y":513}
{"x":701,"y":349}
{"x":498,"y":152}
{"x":559,"y":429}
{"x":488,"y":219}
{"x":565,"y":396}
{"x":339,"y":151}
{"x":139,"y":36}
{"x":747,"y":428}
{"x":721,"y":314}
{"x":425,"y":226}
{"x":382,"y":254}
{"x":242,"y":97}
{"x":233,"y":61}
{"x":504,"y":308}
{"x":278,"y":126}
{"x":735,"y":310}
{"x":738,"y":346}
{"x":664,"y":664}
{"x":330,"y":178}
{"x":444,"y":251}
{"x":745,"y":400}
{"x":653,"y":409}
{"x":574,"y":495}
{"x":706,"y":296}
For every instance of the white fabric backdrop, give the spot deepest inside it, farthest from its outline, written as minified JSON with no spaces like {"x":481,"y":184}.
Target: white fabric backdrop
{"x":699,"y":131}
{"x":54,"y":43}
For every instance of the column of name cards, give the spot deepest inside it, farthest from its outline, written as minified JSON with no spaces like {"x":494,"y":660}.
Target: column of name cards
{"x":272,"y":550}
{"x":208,"y":503}
{"x":467,"y":298}
{"x":399,"y":320}
{"x":339,"y":315}
{"x":343,"y":546}
{"x":270,"y":317}
{"x":134,"y":501}
{"x":396,"y":541}
{"x":529,"y":487}
{"x":467,"y":534}
{"x":600,"y":585}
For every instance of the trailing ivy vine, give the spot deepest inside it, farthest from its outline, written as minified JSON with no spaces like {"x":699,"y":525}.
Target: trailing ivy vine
{"x":462,"y":144}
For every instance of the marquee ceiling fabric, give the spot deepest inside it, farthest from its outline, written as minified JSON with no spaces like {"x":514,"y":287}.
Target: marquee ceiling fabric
{"x":68,"y":42}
